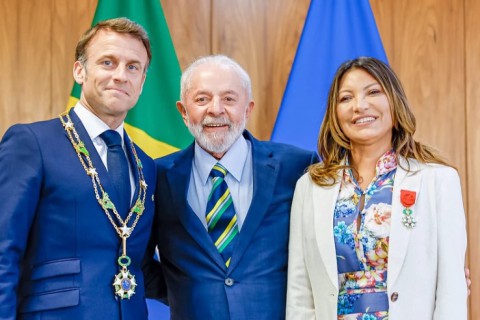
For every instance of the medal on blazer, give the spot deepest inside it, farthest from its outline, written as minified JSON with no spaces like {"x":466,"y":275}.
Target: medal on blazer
{"x":407,"y":198}
{"x":124,"y":283}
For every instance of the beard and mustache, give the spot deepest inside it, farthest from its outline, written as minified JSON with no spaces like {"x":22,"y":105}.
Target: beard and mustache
{"x":215,"y":142}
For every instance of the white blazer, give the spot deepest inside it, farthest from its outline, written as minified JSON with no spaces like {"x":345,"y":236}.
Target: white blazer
{"x":425,"y":264}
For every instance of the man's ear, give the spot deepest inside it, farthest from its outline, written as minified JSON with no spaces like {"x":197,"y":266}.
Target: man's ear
{"x":183,"y":111}
{"x":144,"y":77}
{"x":250,"y":106}
{"x":79,"y":72}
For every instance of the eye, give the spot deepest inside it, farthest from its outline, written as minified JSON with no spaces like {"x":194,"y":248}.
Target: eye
{"x":107,"y":63}
{"x":229,"y":99}
{"x":374,"y":92}
{"x":201,"y":100}
{"x":133,"y":67}
{"x":344,"y":98}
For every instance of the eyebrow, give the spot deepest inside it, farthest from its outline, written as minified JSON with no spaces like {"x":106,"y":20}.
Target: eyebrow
{"x":113,"y":57}
{"x":372,"y":84}
{"x":231,"y":92}
{"x":203,"y":91}
{"x":364,"y":88}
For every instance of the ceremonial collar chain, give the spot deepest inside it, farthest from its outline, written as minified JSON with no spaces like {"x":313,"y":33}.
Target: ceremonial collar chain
{"x":124,"y":282}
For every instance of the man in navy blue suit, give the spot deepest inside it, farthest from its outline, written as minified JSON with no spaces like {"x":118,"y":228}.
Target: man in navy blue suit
{"x":203,"y":280}
{"x":77,"y":193}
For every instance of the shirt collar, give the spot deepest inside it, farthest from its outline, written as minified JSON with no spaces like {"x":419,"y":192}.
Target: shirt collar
{"x":234,"y":160}
{"x":93,"y":124}
{"x":386,"y":163}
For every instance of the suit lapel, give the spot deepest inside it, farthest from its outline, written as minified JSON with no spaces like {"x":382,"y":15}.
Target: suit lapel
{"x":94,"y":156}
{"x":324,"y":200}
{"x":265,"y":173}
{"x":399,"y":234}
{"x":178,"y":179}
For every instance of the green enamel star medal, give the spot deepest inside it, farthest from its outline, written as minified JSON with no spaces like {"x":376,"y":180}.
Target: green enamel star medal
{"x":124,"y":283}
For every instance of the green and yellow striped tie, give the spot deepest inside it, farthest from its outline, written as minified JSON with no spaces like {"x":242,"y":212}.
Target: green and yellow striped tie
{"x":221,"y":216}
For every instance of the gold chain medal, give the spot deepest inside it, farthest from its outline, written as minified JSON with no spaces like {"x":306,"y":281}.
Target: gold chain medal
{"x":124,"y":283}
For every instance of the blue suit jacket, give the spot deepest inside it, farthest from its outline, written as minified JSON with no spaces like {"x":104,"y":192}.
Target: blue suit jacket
{"x":58,"y":250}
{"x":254,"y":286}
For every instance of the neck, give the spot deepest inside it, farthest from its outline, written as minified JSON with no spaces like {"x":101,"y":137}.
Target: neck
{"x":217,"y":156}
{"x":112,"y":121}
{"x":363,"y":160}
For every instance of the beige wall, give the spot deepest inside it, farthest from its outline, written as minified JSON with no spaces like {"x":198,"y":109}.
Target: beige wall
{"x":432,"y":45}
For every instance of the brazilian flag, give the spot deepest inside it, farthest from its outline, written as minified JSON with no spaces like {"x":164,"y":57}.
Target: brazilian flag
{"x":154,"y":123}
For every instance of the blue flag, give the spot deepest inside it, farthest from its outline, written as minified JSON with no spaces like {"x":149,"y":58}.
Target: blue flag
{"x":334,"y":31}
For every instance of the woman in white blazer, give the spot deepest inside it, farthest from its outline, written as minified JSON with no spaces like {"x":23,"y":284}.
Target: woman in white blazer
{"x":378,"y":227}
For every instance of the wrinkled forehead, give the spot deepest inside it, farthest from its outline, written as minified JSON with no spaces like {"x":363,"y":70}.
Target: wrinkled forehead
{"x":216,"y":79}
{"x":109,"y":40}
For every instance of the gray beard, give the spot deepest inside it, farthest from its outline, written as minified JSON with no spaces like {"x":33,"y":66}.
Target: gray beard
{"x":216,"y":142}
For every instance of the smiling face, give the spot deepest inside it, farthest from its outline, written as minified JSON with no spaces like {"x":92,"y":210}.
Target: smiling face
{"x":112,"y":76}
{"x":216,"y":107}
{"x":363,"y":111}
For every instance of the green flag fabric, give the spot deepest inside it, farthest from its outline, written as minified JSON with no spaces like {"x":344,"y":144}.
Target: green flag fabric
{"x":154,"y":123}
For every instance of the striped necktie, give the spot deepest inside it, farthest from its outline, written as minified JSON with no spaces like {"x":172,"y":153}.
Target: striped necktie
{"x":220,"y":215}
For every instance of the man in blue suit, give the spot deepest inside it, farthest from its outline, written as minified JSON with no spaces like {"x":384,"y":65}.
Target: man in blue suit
{"x":77,"y":194}
{"x":204,"y":279}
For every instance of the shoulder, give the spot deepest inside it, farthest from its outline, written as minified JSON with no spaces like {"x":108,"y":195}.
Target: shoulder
{"x":37,"y":126}
{"x":168,"y":161}
{"x":430,"y":171}
{"x":35,"y":130}
{"x":290,"y":151}
{"x":285,"y":152}
{"x":305,"y":180}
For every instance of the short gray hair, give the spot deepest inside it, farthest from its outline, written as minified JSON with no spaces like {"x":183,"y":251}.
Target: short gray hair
{"x":219,"y":60}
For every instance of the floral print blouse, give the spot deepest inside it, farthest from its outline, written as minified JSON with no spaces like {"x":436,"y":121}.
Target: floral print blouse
{"x":362,"y":250}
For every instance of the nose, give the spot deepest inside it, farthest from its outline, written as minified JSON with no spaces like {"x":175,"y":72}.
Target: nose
{"x":120,"y":73}
{"x":360,"y":104}
{"x":216,"y":107}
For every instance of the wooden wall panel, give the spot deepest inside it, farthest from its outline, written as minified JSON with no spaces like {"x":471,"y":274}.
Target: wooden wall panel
{"x":424,"y":44}
{"x":9,"y":39}
{"x":383,"y":13}
{"x":34,"y":60}
{"x":33,"y":64}
{"x":431,"y":44}
{"x":38,"y":43}
{"x":190,"y":28}
{"x":70,"y":20}
{"x":28,"y":61}
{"x":262,"y":36}
{"x":472,"y":67}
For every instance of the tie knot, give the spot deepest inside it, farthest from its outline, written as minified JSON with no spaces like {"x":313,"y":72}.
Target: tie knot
{"x":218,"y":171}
{"x":111,"y":138}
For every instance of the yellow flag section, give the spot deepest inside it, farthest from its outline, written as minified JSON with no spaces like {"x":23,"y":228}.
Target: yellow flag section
{"x":152,"y":147}
{"x":154,"y":123}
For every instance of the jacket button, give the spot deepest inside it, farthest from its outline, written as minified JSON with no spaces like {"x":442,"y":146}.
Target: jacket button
{"x":394,"y":297}
{"x":229,"y":282}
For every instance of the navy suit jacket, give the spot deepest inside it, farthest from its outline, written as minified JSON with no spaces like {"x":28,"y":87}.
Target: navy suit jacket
{"x":199,"y":284}
{"x":58,"y":250}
